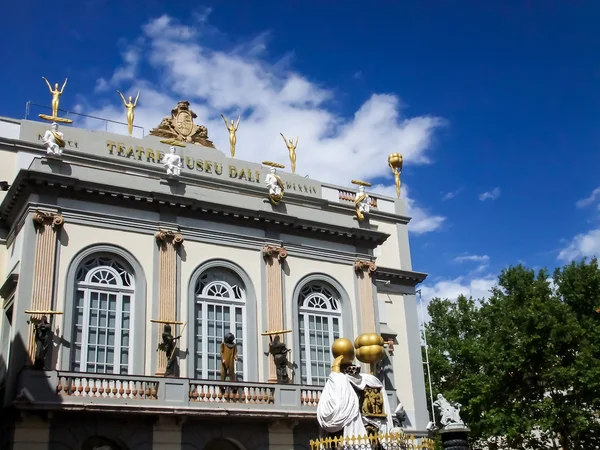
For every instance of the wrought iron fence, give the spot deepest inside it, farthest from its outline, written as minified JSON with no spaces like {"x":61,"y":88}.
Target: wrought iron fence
{"x":387,"y":441}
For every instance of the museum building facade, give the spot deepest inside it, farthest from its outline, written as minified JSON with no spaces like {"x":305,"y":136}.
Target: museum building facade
{"x":110,"y":249}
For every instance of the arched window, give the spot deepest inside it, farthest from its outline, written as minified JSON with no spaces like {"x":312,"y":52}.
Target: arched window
{"x":220,"y":308}
{"x":105,"y":288}
{"x":320,"y":318}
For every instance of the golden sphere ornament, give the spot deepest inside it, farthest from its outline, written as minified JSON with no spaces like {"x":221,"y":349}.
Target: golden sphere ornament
{"x":395,"y":161}
{"x":369,"y":348}
{"x":343,"y":347}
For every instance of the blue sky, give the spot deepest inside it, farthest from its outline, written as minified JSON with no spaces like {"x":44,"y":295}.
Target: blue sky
{"x":481,"y":97}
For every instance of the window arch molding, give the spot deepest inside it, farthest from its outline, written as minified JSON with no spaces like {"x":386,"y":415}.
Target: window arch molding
{"x":139,"y":300}
{"x":251,"y":345}
{"x":344,"y":305}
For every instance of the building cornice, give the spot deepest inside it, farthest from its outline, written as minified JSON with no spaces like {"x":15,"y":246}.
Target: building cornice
{"x":107,"y":163}
{"x":398,"y":276}
{"x":29,"y":181}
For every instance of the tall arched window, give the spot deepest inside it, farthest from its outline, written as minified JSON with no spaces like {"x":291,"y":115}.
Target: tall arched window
{"x":102,"y":316}
{"x":320,"y":318}
{"x":220,"y":305}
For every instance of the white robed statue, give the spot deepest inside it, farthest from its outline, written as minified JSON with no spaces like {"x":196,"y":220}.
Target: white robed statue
{"x":339,"y":407}
{"x":275,"y":186}
{"x":362,"y":201}
{"x":54,"y":141}
{"x":172,"y":162}
{"x":449,"y":414}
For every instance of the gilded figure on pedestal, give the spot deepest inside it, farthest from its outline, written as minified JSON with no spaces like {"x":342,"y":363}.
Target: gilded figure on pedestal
{"x":289,"y":143}
{"x":56,"y":93}
{"x":130,"y":106}
{"x":232,"y":130}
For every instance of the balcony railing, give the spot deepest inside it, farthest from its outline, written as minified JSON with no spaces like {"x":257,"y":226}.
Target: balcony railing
{"x":73,"y":390}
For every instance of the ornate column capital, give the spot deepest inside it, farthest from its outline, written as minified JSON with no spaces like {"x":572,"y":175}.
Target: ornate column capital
{"x":41,"y":218}
{"x":362,"y":265}
{"x":271,"y":251}
{"x":163,"y":237}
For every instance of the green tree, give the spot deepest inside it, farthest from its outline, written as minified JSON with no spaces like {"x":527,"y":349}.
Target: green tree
{"x":525,"y":362}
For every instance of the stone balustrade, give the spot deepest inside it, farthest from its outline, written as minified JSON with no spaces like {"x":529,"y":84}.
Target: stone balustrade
{"x":72,"y":390}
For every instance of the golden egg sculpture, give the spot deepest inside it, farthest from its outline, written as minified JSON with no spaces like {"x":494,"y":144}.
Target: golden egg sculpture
{"x":369,"y":348}
{"x":395,"y":160}
{"x":343,"y":347}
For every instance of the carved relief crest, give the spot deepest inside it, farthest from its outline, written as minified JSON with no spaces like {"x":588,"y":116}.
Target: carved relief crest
{"x":181,"y":127}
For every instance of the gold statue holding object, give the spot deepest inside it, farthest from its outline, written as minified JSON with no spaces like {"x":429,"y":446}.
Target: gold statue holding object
{"x":395,"y":163}
{"x":232,"y":130}
{"x":56,"y":93}
{"x":362,"y":200}
{"x":274,"y":182}
{"x":289,"y":143}
{"x":130,"y":111}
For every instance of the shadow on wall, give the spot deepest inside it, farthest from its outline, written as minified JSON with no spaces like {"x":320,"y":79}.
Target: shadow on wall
{"x":22,"y":388}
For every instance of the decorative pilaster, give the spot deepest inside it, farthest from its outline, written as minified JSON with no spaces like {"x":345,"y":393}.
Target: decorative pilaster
{"x":364,"y":271}
{"x":47,"y":225}
{"x":274,"y":257}
{"x":168,"y":242}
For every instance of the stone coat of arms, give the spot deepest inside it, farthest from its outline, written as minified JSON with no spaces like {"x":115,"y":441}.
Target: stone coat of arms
{"x":181,"y":127}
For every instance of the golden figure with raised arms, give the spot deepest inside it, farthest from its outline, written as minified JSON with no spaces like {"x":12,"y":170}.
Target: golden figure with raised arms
{"x":130,"y":111}
{"x":56,"y":93}
{"x":289,"y":143}
{"x":232,"y":130}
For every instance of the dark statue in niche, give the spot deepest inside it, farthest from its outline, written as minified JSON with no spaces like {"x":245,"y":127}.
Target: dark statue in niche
{"x":43,"y":338}
{"x":279,"y":351}
{"x":229,"y":357}
{"x":169,"y":346}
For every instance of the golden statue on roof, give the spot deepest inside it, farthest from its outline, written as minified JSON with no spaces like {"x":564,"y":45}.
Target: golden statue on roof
{"x":130,"y":111}
{"x":180,"y":127}
{"x":56,"y":93}
{"x":232,"y":128}
{"x":289,"y":143}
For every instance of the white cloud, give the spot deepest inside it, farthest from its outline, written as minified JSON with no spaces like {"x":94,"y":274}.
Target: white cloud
{"x":451,"y":289}
{"x":590,"y":200}
{"x":421,"y":220}
{"x":450,"y":195}
{"x":332,"y":147}
{"x":473,"y":258}
{"x":582,"y":245}
{"x":491,"y":195}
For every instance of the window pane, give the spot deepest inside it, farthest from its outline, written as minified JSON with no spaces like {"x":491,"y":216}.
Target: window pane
{"x":319,"y":311}
{"x":105,"y":326}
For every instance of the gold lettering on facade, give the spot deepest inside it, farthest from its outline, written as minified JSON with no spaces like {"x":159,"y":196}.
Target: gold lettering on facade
{"x":140,"y":152}
{"x":200,"y":165}
{"x":189,"y":162}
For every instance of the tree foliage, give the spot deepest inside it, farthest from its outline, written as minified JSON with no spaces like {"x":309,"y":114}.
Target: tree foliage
{"x":525,"y":363}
